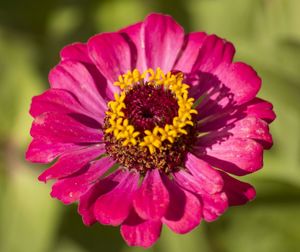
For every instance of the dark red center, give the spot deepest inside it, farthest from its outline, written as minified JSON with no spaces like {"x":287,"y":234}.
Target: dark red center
{"x":148,"y":106}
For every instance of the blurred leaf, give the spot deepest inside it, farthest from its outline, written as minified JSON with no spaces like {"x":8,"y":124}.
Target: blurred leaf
{"x":261,"y":226}
{"x":227,"y":18}
{"x":63,"y":21}
{"x":113,"y":15}
{"x":194,"y":241}
{"x":72,"y":233}
{"x":29,"y":217}
{"x":19,"y":81}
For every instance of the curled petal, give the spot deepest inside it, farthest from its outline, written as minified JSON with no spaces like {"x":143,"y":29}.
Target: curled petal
{"x":214,"y":205}
{"x":184,"y":211}
{"x":261,"y":109}
{"x":238,"y":192}
{"x":113,"y":207}
{"x":152,"y":198}
{"x":87,"y":200}
{"x":139,"y":232}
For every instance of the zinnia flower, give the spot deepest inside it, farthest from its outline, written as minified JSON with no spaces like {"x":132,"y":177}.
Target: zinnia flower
{"x":144,"y":126}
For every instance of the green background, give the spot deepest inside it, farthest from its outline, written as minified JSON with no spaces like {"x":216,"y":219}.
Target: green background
{"x":266,"y":34}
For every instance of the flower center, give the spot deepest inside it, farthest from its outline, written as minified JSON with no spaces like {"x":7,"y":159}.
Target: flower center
{"x":150,"y":123}
{"x":147,"y":107}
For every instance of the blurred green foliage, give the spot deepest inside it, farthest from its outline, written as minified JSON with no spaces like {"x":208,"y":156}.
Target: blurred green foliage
{"x":266,"y":35}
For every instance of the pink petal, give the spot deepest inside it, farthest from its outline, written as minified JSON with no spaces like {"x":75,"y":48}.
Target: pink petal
{"x":188,"y":182}
{"x":233,"y":126}
{"x":77,"y":52}
{"x":238,"y":192}
{"x":208,"y":177}
{"x":133,"y":35}
{"x":241,"y":79}
{"x":60,"y":128}
{"x":214,"y":51}
{"x":111,"y":54}
{"x":215,"y":97}
{"x":70,"y":163}
{"x":41,"y":151}
{"x":152,"y":198}
{"x":70,"y":189}
{"x":261,"y":109}
{"x":235,"y":155}
{"x":184,"y":211}
{"x":189,"y":53}
{"x":75,"y":77}
{"x":214,"y":205}
{"x":138,"y":232}
{"x":163,"y":41}
{"x":113,"y":207}
{"x":254,"y":128}
{"x":57,"y":100}
{"x":87,"y":200}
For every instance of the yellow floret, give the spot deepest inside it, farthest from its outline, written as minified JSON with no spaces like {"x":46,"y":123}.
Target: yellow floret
{"x":128,"y":80}
{"x":151,"y":140}
{"x":115,"y":125}
{"x":127,"y":133}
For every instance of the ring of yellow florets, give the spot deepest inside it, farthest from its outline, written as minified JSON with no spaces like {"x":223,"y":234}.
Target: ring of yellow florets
{"x":120,"y":127}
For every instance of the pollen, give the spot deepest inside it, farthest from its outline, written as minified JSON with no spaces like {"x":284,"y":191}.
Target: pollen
{"x":161,"y":134}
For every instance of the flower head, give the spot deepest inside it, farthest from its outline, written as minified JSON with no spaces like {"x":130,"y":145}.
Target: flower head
{"x":146,"y":126}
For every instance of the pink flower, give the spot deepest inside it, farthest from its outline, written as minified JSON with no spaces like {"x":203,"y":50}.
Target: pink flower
{"x":144,"y":126}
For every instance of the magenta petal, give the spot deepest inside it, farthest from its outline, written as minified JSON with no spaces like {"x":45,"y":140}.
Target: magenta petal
{"x":133,"y":35}
{"x":113,"y":207}
{"x":57,"y":100}
{"x":214,"y":205}
{"x":72,"y":162}
{"x":235,"y":155}
{"x":70,"y":189}
{"x":163,"y":41}
{"x":213,"y":52}
{"x":87,"y":200}
{"x":75,"y":77}
{"x":111,"y":54}
{"x":208,"y":177}
{"x":261,"y":109}
{"x":188,"y":182}
{"x":138,"y":232}
{"x":189,"y":53}
{"x":254,"y":128}
{"x":152,"y":198}
{"x":41,"y":151}
{"x":241,"y":79}
{"x":76,"y":51}
{"x":60,"y":128}
{"x":184,"y":211}
{"x":238,"y":192}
